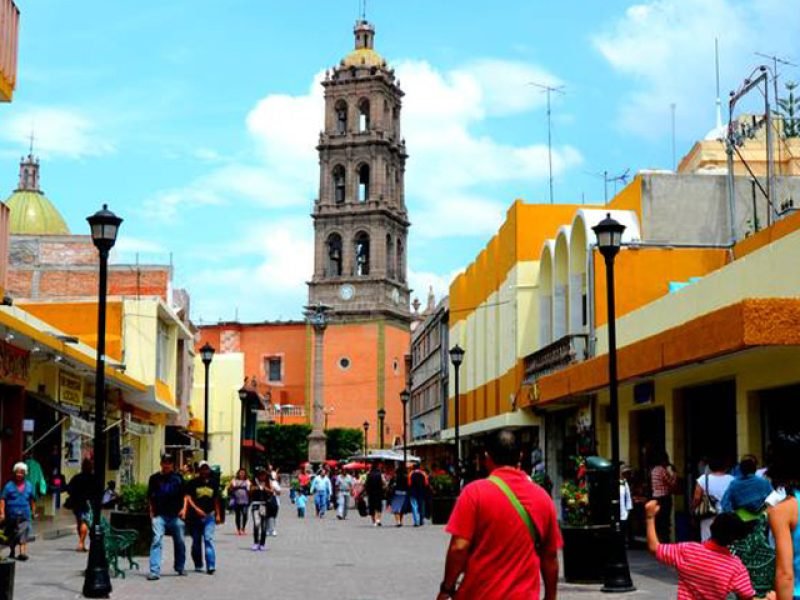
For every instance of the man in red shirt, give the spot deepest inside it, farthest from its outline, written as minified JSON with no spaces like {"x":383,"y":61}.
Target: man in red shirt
{"x":491,"y":544}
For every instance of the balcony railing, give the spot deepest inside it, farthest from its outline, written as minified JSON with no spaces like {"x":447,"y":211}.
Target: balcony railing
{"x":274,"y":412}
{"x":553,"y":357}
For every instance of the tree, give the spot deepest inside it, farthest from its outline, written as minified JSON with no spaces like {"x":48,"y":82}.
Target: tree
{"x":285,"y":446}
{"x":789,"y":109}
{"x":342,"y":442}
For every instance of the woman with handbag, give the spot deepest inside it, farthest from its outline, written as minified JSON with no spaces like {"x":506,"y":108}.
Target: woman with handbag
{"x":708,"y":492}
{"x":261,"y":496}
{"x":239,"y":494}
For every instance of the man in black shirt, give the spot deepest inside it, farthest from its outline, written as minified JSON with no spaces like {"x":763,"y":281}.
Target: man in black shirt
{"x":202,"y":506}
{"x":375,"y":488}
{"x":80,"y":492}
{"x":165,"y":496}
{"x":418,"y":490}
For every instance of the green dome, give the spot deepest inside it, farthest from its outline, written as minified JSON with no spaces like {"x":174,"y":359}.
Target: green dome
{"x":33,"y":214}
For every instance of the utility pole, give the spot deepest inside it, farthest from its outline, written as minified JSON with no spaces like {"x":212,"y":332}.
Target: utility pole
{"x":547,"y":89}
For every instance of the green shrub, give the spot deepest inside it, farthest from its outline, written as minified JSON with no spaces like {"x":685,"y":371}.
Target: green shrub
{"x":443,"y":485}
{"x":133,"y":498}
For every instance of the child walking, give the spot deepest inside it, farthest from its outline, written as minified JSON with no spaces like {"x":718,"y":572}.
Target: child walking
{"x":300,"y":501}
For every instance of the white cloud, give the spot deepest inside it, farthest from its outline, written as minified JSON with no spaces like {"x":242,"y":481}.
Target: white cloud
{"x":57,"y":132}
{"x":274,"y":287}
{"x":667,"y":47}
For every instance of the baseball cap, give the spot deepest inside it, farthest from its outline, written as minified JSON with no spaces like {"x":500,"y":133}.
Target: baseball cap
{"x":203,"y":463}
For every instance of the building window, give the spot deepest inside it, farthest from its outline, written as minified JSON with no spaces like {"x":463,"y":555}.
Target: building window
{"x":362,"y":253}
{"x":363,"y":183}
{"x":338,"y":184}
{"x":401,"y":261}
{"x":341,"y":117}
{"x":363,"y":115}
{"x":389,"y":257}
{"x":163,"y":354}
{"x":274,"y":369}
{"x":334,"y":244}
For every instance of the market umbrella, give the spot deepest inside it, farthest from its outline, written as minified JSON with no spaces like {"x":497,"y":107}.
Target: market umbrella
{"x":355,"y":466}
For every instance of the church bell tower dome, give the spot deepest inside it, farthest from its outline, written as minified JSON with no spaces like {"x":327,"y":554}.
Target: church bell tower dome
{"x":31,"y":211}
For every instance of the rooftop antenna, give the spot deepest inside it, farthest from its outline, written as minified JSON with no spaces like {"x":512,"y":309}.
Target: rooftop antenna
{"x":547,"y":89}
{"x":622,"y":177}
{"x":775,"y":62}
{"x":719,"y":101}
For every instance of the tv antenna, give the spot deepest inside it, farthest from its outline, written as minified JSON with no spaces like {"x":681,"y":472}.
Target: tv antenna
{"x":548,"y":89}
{"x":621,"y":178}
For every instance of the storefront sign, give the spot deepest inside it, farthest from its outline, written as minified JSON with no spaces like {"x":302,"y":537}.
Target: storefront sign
{"x":70,"y":388}
{"x":139,"y":428}
{"x":81,"y":426}
{"x":555,"y":356}
{"x":14,"y":364}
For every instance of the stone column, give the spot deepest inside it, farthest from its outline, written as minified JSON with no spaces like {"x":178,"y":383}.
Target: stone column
{"x":316,"y":439}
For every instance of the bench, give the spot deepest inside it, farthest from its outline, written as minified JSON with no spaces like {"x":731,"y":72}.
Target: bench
{"x":119,"y":542}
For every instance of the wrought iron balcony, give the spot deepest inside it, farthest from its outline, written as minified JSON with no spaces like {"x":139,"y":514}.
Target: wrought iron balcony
{"x":553,"y":357}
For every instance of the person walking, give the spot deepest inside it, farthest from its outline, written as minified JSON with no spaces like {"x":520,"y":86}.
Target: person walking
{"x":399,"y":495}
{"x":167,"y":512}
{"x":784,"y":522}
{"x":274,"y":503}
{"x":705,"y":570}
{"x":712,"y":485}
{"x":204,"y":512}
{"x":17,"y":509}
{"x":260,"y":495}
{"x":344,"y":485}
{"x":375,"y":487}
{"x":79,"y":490}
{"x":239,"y":491}
{"x":417,"y":491}
{"x":321,"y":489}
{"x":504,"y":533}
{"x":662,"y":483}
{"x":747,"y":491}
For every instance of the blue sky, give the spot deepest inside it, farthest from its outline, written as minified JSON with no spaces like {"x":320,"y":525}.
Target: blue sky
{"x":196,"y":120}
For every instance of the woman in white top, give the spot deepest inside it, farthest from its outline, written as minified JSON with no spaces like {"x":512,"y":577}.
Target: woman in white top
{"x":272,"y":508}
{"x":714,"y":483}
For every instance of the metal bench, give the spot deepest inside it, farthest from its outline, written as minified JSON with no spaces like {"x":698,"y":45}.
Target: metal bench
{"x":119,"y":542}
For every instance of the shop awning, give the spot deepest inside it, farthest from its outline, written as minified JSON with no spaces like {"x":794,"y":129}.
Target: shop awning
{"x":252,"y":445}
{"x":509,"y":420}
{"x":64,"y":409}
{"x":149,"y":401}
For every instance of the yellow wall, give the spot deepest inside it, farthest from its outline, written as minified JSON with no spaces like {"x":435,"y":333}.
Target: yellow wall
{"x":226,"y":375}
{"x":764,"y":273}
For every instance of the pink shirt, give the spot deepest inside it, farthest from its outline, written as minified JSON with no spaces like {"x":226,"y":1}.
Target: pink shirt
{"x":706,"y":571}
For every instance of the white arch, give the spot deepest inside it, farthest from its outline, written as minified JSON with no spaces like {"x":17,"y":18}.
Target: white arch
{"x":561,"y":283}
{"x":586,"y":218}
{"x":546,"y":294}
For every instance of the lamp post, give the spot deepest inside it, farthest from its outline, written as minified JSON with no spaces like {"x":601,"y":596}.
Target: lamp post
{"x":318,"y":318}
{"x":405,"y":396}
{"x":207,"y":355}
{"x":616,"y":575}
{"x":381,"y":419}
{"x":104,"y":226}
{"x":242,"y":427}
{"x":457,"y":357}
{"x":366,"y":443}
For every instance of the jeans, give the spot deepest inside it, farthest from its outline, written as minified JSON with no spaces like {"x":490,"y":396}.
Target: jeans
{"x":203,"y":535}
{"x":241,"y":516}
{"x":341,"y":504}
{"x":174,"y":527}
{"x":321,"y":502}
{"x":417,"y":506}
{"x":259,"y":523}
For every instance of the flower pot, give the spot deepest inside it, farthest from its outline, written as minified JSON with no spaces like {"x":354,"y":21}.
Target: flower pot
{"x":441,"y":507}
{"x":584,"y":550}
{"x":138,"y":521}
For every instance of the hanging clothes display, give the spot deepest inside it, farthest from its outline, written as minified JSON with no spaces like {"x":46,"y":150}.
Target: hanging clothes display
{"x":36,"y":477}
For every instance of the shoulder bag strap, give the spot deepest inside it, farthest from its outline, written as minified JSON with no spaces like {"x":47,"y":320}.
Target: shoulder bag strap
{"x":523,"y":514}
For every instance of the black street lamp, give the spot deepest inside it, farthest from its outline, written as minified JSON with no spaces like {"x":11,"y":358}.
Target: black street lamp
{"x":616,"y":576}
{"x":366,"y":440}
{"x":381,"y":419}
{"x":243,"y":428}
{"x":405,"y":396}
{"x":104,"y":226}
{"x":207,"y":355}
{"x":457,"y":357}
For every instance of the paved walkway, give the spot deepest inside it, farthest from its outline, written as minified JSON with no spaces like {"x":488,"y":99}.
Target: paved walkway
{"x":348,"y":560}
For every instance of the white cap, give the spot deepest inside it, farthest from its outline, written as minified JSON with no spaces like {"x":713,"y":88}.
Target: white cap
{"x":203,"y":463}
{"x":20,"y":465}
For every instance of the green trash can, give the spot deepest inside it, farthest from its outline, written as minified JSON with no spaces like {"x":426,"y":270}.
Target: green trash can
{"x":7,"y":567}
{"x":600,"y":483}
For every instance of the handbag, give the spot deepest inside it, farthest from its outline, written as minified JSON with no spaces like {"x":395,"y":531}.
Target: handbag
{"x":708,"y":504}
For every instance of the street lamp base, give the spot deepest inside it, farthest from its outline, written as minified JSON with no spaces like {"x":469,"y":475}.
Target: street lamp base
{"x":617,"y":574}
{"x":97,"y":581}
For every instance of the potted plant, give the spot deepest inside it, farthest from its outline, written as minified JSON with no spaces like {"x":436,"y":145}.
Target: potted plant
{"x":444,"y":491}
{"x":585,"y":540}
{"x":134,"y":514}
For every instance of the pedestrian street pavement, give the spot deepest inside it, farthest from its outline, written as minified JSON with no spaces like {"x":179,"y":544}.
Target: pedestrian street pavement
{"x":342,"y":559}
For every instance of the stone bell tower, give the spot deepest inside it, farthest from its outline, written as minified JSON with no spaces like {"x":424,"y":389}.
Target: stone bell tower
{"x":360,"y":218}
